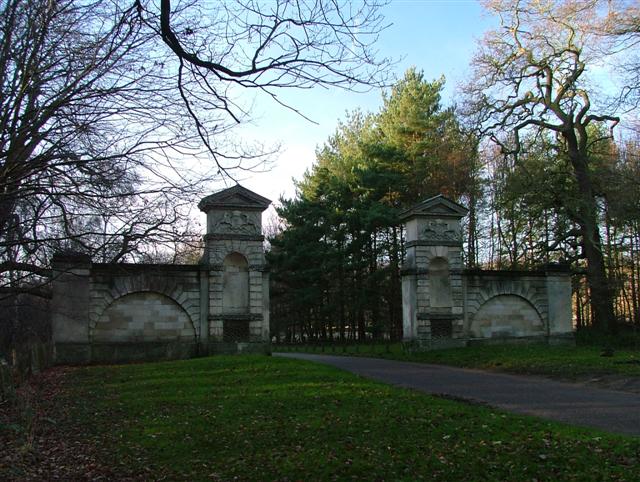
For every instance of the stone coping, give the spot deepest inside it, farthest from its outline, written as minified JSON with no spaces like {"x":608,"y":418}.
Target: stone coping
{"x":252,"y":267}
{"x":493,"y":272}
{"x":151,"y":268}
{"x":425,"y":271}
{"x":434,"y":242}
{"x":233,"y":237}
{"x":147,"y":267}
{"x":503,"y":273}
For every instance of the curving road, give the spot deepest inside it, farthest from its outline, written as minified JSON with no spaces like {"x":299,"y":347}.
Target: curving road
{"x":609,"y":410}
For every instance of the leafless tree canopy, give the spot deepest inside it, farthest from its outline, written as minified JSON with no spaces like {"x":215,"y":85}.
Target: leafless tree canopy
{"x":246,"y":44}
{"x":621,"y":29}
{"x":115,"y":115}
{"x":531,"y":78}
{"x":532,"y":71}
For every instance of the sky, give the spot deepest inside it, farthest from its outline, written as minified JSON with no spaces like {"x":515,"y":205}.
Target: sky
{"x":438,"y":37}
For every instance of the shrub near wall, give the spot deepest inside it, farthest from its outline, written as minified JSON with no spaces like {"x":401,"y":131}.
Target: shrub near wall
{"x":25,"y":339}
{"x":6,"y":380}
{"x":22,"y":362}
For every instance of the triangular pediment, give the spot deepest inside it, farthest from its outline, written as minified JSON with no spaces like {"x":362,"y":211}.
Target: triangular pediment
{"x":236,"y":197}
{"x":437,"y":206}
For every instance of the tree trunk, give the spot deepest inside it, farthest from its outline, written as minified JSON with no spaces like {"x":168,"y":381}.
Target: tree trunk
{"x":576,"y":284}
{"x":586,"y":213}
{"x":396,"y":286}
{"x":635,"y":315}
{"x":472,"y":254}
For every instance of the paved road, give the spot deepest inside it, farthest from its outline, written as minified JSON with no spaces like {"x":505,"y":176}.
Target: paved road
{"x":609,"y":410}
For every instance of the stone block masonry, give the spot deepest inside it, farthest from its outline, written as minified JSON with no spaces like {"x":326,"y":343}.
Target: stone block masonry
{"x":132,"y":312}
{"x":445,"y":305}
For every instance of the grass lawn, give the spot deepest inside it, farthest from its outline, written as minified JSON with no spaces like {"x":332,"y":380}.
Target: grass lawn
{"x":536,"y":359}
{"x":263,"y":418}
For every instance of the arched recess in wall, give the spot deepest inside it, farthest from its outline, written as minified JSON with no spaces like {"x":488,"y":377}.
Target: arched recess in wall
{"x":235,"y":284}
{"x":440,"y":283}
{"x":506,"y":316}
{"x":143,"y":316}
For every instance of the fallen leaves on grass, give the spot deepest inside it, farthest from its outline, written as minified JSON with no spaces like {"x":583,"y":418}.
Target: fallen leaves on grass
{"x":41,"y":440}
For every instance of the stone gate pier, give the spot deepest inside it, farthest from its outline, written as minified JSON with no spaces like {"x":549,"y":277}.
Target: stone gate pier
{"x":445,"y":305}
{"x":128,"y":312}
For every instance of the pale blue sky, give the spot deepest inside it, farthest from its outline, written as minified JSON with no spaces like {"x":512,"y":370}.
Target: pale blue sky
{"x":437,"y":36}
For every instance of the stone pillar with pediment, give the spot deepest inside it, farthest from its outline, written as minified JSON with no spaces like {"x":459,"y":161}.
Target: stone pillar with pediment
{"x":432,"y":289}
{"x":237,"y":306}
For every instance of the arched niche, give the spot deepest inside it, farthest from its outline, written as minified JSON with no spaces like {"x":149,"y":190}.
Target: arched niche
{"x":144,"y":316}
{"x":440,"y":283}
{"x":235,"y":284}
{"x":506,"y":316}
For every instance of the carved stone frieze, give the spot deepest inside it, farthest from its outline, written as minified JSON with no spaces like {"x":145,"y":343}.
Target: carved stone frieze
{"x":440,"y":231}
{"x":236,"y":222}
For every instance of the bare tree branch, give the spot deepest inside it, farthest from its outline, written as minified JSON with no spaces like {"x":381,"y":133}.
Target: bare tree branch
{"x":116,"y":116}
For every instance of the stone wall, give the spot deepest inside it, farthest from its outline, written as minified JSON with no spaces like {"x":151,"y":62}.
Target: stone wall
{"x":143,"y":316}
{"x":137,"y":302}
{"x":107,"y":312}
{"x":129,"y":312}
{"x":503,"y":304}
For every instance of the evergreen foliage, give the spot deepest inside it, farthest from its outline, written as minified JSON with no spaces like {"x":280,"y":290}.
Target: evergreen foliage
{"x":336,"y":265}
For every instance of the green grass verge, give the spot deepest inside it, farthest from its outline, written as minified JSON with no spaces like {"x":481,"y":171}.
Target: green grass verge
{"x":536,"y":359}
{"x":262,"y":418}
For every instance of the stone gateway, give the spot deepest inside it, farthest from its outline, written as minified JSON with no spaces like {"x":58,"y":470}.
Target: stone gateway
{"x":128,"y":312}
{"x":445,"y":305}
{"x":106,"y":313}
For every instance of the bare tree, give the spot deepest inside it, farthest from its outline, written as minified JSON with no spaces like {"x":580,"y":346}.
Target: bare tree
{"x":530,"y":76}
{"x":620,"y":29}
{"x":87,"y":125}
{"x":116,"y":115}
{"x":267,"y":46}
